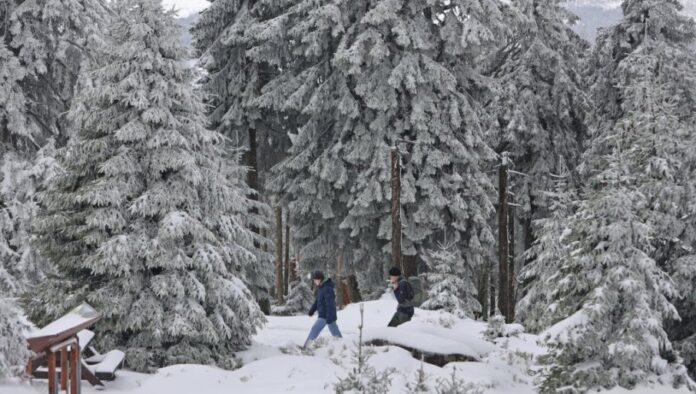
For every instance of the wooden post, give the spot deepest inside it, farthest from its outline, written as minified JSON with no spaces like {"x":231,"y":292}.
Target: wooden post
{"x":503,"y":241}
{"x":287,"y":253}
{"x":64,"y":369}
{"x":279,"y":256}
{"x":52,"y":384}
{"x":396,"y":208}
{"x":75,"y":370}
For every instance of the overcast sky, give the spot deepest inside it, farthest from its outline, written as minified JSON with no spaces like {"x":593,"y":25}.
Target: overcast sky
{"x":186,"y":7}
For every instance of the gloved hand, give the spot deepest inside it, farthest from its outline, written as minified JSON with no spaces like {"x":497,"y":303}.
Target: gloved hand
{"x":310,"y":313}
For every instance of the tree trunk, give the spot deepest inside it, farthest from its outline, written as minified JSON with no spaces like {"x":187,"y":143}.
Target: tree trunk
{"x":341,"y":288}
{"x":511,"y":269}
{"x":503,"y":242}
{"x":288,"y":274}
{"x":483,"y":291}
{"x":491,"y":288}
{"x":396,"y":209}
{"x":279,"y":256}
{"x":410,"y":264}
{"x":353,"y":289}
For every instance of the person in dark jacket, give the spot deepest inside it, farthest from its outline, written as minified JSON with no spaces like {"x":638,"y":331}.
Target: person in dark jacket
{"x":325,"y":305}
{"x":404,"y":295}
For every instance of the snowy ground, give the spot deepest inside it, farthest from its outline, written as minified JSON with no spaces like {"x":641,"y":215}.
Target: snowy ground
{"x":275,"y":364}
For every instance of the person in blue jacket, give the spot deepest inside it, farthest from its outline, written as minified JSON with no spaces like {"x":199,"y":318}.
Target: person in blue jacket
{"x":325,"y":305}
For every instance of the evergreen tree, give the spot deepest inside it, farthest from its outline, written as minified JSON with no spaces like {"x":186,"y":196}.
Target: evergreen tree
{"x":364,"y":378}
{"x":41,"y":48}
{"x":147,"y":221}
{"x":540,"y":104}
{"x":452,"y":282}
{"x":617,"y":294}
{"x":298,"y":301}
{"x":231,"y":81}
{"x":367,"y":76}
{"x":642,"y":71}
{"x":420,"y":384}
{"x":540,"y":277}
{"x":13,"y":345}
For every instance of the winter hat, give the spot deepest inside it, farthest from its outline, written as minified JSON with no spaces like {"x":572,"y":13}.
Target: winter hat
{"x":318,"y":275}
{"x":394,"y":271}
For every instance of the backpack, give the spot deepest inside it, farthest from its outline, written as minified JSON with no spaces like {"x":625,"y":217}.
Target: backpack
{"x":417,"y":295}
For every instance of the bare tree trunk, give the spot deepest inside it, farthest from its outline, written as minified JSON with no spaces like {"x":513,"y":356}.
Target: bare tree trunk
{"x":483,"y":291}
{"x":503,"y":242}
{"x":287,"y":275}
{"x":279,"y":256}
{"x":491,"y":288}
{"x":410,"y":264}
{"x":353,"y":289}
{"x":511,"y":269}
{"x":342,"y":296}
{"x":252,"y":174}
{"x":396,"y":209}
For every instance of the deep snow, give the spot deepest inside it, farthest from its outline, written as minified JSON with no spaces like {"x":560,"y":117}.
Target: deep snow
{"x":275,"y":364}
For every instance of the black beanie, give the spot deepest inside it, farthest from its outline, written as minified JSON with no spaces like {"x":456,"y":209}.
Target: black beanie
{"x":394,"y":271}
{"x":318,"y":275}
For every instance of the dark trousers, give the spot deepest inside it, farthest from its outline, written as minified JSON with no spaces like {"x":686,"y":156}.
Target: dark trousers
{"x":400,"y":317}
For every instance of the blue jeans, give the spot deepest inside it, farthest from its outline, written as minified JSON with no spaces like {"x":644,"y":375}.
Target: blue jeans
{"x":318,"y":326}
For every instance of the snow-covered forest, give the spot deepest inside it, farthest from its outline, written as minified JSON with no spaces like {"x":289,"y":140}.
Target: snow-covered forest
{"x":540,"y":186}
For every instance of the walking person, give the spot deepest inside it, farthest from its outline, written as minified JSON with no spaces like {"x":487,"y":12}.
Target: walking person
{"x":325,"y":305}
{"x":404,"y":295}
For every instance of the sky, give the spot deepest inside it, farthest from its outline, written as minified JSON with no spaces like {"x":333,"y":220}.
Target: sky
{"x":186,"y":7}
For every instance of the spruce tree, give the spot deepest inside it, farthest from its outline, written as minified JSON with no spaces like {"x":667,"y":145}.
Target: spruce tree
{"x":366,"y":76}
{"x":452,"y":285}
{"x":146,"y":223}
{"x":231,"y":81}
{"x":540,"y":104}
{"x":642,"y":70}
{"x":13,"y":345}
{"x":298,"y":301}
{"x":617,"y":294}
{"x":42,"y":46}
{"x":540,"y":277}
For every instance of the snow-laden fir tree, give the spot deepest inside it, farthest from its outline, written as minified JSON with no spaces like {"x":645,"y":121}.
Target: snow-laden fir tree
{"x":539,"y":102}
{"x":364,"y":378}
{"x":452,"y":284}
{"x":298,"y":301}
{"x":643,"y":76}
{"x":540,"y":277}
{"x":146,"y":222}
{"x":13,"y":345}
{"x":232,"y":79}
{"x":616,"y":292}
{"x":41,"y":48}
{"x":420,"y":384}
{"x":367,"y":76}
{"x":43,"y":45}
{"x":456,"y":385}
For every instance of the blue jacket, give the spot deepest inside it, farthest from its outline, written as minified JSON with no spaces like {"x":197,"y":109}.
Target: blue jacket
{"x":325,"y":301}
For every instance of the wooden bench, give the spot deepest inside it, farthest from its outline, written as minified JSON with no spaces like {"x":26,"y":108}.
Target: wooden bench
{"x":68,"y":339}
